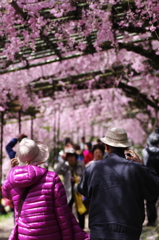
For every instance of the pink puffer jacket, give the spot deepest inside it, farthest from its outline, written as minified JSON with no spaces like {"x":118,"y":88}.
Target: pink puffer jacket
{"x":45,"y":214}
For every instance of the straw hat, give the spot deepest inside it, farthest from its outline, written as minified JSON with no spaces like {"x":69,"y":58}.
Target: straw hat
{"x":117,"y":137}
{"x":31,"y":152}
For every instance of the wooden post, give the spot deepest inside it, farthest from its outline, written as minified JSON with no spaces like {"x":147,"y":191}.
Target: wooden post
{"x":19,"y":121}
{"x":18,"y":9}
{"x":1,"y":151}
{"x":84,"y":131}
{"x":58,"y":126}
{"x":92,"y":131}
{"x":32,"y":127}
{"x":54,"y":140}
{"x":78,"y":138}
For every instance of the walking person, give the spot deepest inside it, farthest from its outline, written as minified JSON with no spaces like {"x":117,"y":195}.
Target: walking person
{"x":71,"y":169}
{"x":98,"y":152}
{"x":87,"y":152}
{"x":41,"y":209}
{"x":151,"y":159}
{"x":9,"y":147}
{"x":11,"y":153}
{"x":117,"y":187}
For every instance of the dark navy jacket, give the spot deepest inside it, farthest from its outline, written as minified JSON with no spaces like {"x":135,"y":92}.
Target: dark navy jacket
{"x":9,"y":148}
{"x":117,"y":188}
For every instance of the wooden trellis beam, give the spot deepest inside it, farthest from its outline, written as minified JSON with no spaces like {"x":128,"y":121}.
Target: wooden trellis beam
{"x":105,"y":46}
{"x":49,"y":43}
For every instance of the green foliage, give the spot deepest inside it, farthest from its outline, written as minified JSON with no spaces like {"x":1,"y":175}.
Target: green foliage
{"x":47,"y":128}
{"x":53,"y":157}
{"x":5,"y":216}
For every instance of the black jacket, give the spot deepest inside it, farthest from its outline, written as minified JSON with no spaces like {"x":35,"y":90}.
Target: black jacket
{"x":153,"y":158}
{"x":117,"y":188}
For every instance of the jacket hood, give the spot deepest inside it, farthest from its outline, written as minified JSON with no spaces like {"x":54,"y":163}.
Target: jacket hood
{"x":153,"y":139}
{"x":25,"y":176}
{"x":153,"y":149}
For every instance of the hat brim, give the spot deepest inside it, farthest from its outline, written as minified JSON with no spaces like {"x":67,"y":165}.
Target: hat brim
{"x":43,"y":153}
{"x":42,"y":157}
{"x":117,"y":144}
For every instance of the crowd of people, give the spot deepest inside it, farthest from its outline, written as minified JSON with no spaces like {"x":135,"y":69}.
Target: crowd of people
{"x":106,"y":180}
{"x":72,"y":161}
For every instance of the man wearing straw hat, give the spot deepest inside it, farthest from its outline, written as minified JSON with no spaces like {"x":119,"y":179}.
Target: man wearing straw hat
{"x":117,"y":187}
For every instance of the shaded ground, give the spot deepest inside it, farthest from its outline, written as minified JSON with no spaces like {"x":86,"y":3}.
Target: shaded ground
{"x":149,"y":233}
{"x":6,"y":225}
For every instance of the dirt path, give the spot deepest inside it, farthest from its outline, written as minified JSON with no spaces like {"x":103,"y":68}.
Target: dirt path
{"x":6,"y":225}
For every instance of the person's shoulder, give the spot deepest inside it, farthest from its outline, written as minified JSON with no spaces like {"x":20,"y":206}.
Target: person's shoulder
{"x":135,"y":164}
{"x":89,"y":163}
{"x":136,"y":167}
{"x":92,"y":165}
{"x":52,"y":176}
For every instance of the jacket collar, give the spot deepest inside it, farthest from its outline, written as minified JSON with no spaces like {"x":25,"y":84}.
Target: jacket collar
{"x":118,"y":153}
